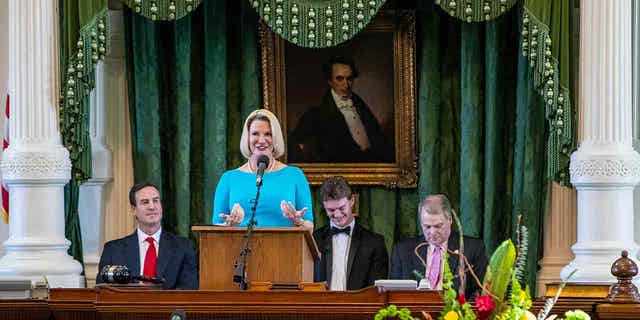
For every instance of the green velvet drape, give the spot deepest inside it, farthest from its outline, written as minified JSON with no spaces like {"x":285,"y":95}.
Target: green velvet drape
{"x":481,"y":125}
{"x":190,"y":83}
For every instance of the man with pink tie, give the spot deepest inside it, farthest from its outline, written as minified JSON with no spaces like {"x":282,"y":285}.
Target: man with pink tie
{"x":435,"y":220}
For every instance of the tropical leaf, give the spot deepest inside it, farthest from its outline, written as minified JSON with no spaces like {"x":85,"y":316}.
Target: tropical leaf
{"x":498,"y":274}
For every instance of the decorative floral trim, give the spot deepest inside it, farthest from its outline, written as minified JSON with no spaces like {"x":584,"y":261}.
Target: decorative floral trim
{"x":36,"y":164}
{"x":621,"y":168}
{"x":91,"y":46}
{"x":317,"y":25}
{"x":536,"y":46}
{"x":163,"y":9}
{"x":476,"y":10}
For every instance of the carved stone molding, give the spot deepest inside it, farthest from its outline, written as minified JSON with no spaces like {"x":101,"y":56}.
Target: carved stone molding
{"x":48,"y":164}
{"x":615,"y":168}
{"x":606,"y":168}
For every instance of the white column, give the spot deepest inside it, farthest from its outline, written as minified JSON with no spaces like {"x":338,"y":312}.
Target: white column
{"x":36,"y":166}
{"x":559,"y":234}
{"x":92,"y":198}
{"x":605,"y":168}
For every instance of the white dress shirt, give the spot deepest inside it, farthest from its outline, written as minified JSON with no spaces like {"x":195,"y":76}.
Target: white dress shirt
{"x":430,"y":257}
{"x":356,"y":127}
{"x":341,"y":243}
{"x":144,"y":245}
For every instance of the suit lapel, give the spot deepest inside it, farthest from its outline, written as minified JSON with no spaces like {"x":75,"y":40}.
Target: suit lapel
{"x":417,"y":264}
{"x":333,"y":112}
{"x":353,"y":248}
{"x":328,"y":254}
{"x":132,"y":253}
{"x":453,"y":244}
{"x":165,"y":252}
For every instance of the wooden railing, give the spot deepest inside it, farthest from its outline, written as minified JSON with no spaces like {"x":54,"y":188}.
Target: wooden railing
{"x":120,"y":303}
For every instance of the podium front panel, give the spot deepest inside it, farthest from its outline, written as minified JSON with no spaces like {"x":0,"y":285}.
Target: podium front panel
{"x":277,"y":255}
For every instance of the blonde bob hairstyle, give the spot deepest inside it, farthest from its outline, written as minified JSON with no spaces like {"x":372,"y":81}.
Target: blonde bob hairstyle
{"x":276,"y":132}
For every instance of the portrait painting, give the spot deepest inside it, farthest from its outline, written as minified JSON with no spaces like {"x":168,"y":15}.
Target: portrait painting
{"x":368,"y":61}
{"x":349,"y":109}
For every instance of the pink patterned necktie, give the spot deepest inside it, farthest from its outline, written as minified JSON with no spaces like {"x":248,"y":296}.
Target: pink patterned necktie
{"x":434,"y":272}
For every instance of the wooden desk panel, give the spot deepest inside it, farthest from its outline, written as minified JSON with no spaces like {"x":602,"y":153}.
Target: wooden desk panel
{"x":27,"y":309}
{"x":283,"y":255}
{"x":73,"y":304}
{"x":132,"y":304}
{"x":607,"y":311}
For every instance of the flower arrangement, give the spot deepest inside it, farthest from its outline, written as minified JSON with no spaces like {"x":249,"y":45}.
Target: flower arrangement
{"x":505,"y":271}
{"x":503,"y":296}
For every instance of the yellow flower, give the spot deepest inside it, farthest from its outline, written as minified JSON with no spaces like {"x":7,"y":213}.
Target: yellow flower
{"x":451,"y":315}
{"x":523,"y":295}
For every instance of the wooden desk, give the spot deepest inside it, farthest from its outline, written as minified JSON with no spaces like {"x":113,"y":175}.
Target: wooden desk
{"x":608,"y":311}
{"x":128,"y":304}
{"x":26,"y":309}
{"x":118,"y":303}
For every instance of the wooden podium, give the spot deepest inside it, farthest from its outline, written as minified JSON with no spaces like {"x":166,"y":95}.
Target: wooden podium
{"x":278,"y":255}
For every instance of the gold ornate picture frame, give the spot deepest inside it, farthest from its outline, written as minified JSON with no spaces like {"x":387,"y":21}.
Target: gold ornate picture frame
{"x":292,"y":78}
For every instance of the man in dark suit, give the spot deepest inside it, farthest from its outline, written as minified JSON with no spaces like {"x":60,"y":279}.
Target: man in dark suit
{"x":435,"y":219}
{"x":151,"y":251}
{"x":342,"y":128}
{"x":352,"y":257}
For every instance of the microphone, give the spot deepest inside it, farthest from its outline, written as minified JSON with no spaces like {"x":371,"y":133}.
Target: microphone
{"x":122,"y":275}
{"x":178,"y":315}
{"x":263,"y":163}
{"x":239,"y":268}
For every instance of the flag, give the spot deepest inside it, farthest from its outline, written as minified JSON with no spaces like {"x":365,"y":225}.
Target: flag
{"x":5,"y":145}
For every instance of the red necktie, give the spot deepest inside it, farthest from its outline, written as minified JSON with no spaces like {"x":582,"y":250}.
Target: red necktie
{"x":150,"y":259}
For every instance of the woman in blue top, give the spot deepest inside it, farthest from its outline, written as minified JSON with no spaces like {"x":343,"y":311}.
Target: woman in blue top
{"x":285,"y":198}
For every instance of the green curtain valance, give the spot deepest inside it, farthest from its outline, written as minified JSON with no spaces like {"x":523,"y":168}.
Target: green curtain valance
{"x":163,"y":9}
{"x":546,"y":39}
{"x":317,"y":23}
{"x":85,"y":32}
{"x":475,"y":10}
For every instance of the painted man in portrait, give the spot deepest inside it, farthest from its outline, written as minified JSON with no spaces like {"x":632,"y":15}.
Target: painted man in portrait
{"x":342,"y":128}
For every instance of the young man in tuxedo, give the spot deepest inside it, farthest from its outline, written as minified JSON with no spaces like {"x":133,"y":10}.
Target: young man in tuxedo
{"x":352,"y":257}
{"x":435,"y":219}
{"x":151,"y":251}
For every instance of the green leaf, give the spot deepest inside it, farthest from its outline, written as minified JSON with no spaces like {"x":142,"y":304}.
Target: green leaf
{"x":499,"y":269}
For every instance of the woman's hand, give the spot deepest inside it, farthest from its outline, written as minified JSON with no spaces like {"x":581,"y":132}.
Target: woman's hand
{"x":235,"y":218}
{"x":290,"y":212}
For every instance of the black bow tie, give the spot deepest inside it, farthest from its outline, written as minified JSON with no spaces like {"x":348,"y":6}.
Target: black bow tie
{"x":335,"y":230}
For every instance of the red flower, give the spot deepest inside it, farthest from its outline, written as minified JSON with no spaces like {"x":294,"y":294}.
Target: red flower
{"x":461,"y":299}
{"x":485,"y":306}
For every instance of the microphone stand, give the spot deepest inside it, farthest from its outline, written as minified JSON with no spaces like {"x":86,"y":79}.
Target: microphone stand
{"x":239,"y":268}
